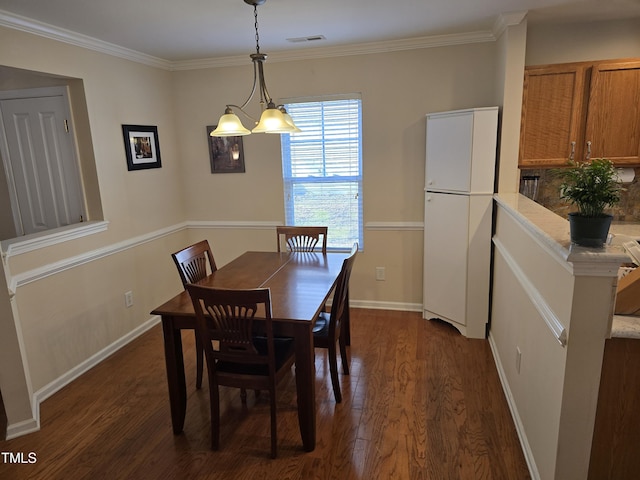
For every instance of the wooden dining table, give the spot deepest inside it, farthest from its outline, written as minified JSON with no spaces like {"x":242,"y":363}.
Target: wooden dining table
{"x":300,"y":284}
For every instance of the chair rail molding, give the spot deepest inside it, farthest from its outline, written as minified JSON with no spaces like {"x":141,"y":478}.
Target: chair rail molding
{"x":18,"y":280}
{"x":537,"y":299}
{"x":232,"y":224}
{"x":395,"y":226}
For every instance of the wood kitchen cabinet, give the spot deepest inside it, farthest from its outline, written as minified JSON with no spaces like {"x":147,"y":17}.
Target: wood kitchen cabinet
{"x":613,"y":114}
{"x":581,"y":110}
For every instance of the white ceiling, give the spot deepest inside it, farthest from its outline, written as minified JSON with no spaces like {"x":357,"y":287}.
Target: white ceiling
{"x":187,"y":30}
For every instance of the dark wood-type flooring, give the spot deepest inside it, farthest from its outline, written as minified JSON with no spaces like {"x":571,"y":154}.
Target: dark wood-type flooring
{"x":422,"y":402}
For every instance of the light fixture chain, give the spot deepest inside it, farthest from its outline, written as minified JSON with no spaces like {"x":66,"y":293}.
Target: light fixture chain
{"x":255,"y":15}
{"x":274,"y":119}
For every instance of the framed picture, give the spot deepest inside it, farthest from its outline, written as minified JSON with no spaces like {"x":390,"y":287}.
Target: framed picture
{"x":142,"y":146}
{"x":226,"y":153}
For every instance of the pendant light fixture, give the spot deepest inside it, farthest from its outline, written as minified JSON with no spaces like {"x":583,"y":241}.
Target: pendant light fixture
{"x":274,"y":119}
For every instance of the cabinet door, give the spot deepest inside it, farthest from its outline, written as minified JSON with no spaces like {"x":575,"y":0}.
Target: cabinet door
{"x":449,"y":149}
{"x":613,"y":119}
{"x":446,"y":237}
{"x":552,"y":115}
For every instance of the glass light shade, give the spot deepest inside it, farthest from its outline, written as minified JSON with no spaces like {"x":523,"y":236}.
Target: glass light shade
{"x":289,"y":120}
{"x":229,"y":125}
{"x":273,"y":121}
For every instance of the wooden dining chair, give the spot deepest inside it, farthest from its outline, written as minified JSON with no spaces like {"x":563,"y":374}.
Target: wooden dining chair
{"x":329,"y":328}
{"x":194,"y":263}
{"x":302,"y":239}
{"x":235,"y":357}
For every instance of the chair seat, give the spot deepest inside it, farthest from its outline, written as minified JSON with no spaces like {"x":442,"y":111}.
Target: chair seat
{"x":321,"y":335}
{"x":283,"y":347}
{"x":321,"y":326}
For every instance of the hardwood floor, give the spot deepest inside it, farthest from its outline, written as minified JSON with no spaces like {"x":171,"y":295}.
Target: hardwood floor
{"x":422,"y":402}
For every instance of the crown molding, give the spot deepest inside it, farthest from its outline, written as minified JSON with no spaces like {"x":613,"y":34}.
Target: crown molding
{"x":344,"y":50}
{"x":35,"y":27}
{"x":41,"y":29}
{"x":507,"y":20}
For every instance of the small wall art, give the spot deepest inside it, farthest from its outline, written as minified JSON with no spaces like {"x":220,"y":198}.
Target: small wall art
{"x":142,"y":147}
{"x":225,"y":153}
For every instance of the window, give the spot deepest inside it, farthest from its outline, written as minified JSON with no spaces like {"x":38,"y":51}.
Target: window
{"x":322,"y":168}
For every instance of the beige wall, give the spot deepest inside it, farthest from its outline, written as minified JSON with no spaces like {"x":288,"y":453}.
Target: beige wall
{"x":62,"y":318}
{"x":582,"y":42}
{"x":14,"y":372}
{"x":512,"y":45}
{"x":404,"y":85}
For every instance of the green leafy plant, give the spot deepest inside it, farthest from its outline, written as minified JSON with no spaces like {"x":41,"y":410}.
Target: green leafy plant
{"x":591,"y":186}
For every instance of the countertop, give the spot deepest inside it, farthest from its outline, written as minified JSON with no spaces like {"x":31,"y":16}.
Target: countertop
{"x":625,"y":326}
{"x":553,"y":231}
{"x":630,"y":229}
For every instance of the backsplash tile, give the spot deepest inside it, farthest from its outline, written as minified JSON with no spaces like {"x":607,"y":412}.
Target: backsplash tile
{"x":628,"y":210}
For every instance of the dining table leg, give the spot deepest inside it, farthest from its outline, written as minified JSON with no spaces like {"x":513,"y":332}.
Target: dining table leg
{"x":305,"y":384}
{"x":175,"y":373}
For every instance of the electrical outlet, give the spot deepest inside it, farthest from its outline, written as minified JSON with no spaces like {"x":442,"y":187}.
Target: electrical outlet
{"x":380,"y":273}
{"x":518,"y":359}
{"x":128,"y":298}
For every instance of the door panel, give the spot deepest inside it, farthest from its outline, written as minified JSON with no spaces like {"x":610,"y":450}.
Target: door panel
{"x":449,"y":149}
{"x":552,"y":115}
{"x":613,"y":122}
{"x":42,"y":168}
{"x":446,"y":237}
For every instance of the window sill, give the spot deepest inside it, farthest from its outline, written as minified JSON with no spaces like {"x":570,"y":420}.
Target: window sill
{"x":36,"y":241}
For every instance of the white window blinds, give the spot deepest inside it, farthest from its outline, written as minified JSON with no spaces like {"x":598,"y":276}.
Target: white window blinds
{"x":322,"y":169}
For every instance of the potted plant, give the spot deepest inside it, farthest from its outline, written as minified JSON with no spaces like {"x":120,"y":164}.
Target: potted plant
{"x":592,"y":187}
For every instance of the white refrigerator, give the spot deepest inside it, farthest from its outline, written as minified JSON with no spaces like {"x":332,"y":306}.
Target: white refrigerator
{"x":458,"y":212}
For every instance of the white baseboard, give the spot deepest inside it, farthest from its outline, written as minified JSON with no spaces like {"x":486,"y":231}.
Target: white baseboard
{"x":404,"y":307}
{"x":524,"y":443}
{"x":24,"y":427}
{"x":33,"y":424}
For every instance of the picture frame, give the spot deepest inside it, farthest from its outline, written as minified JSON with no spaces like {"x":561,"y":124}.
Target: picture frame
{"x":142,"y":146}
{"x":226,"y":154}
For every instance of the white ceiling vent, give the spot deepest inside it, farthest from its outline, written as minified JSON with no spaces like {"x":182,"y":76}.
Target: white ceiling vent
{"x":311,"y":38}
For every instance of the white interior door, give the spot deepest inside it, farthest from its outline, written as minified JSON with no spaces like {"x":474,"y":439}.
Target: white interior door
{"x":40,"y":161}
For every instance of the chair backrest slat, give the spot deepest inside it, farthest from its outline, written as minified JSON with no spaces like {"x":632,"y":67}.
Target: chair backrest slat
{"x":225,"y":320}
{"x":194,"y":262}
{"x":302,"y":239}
